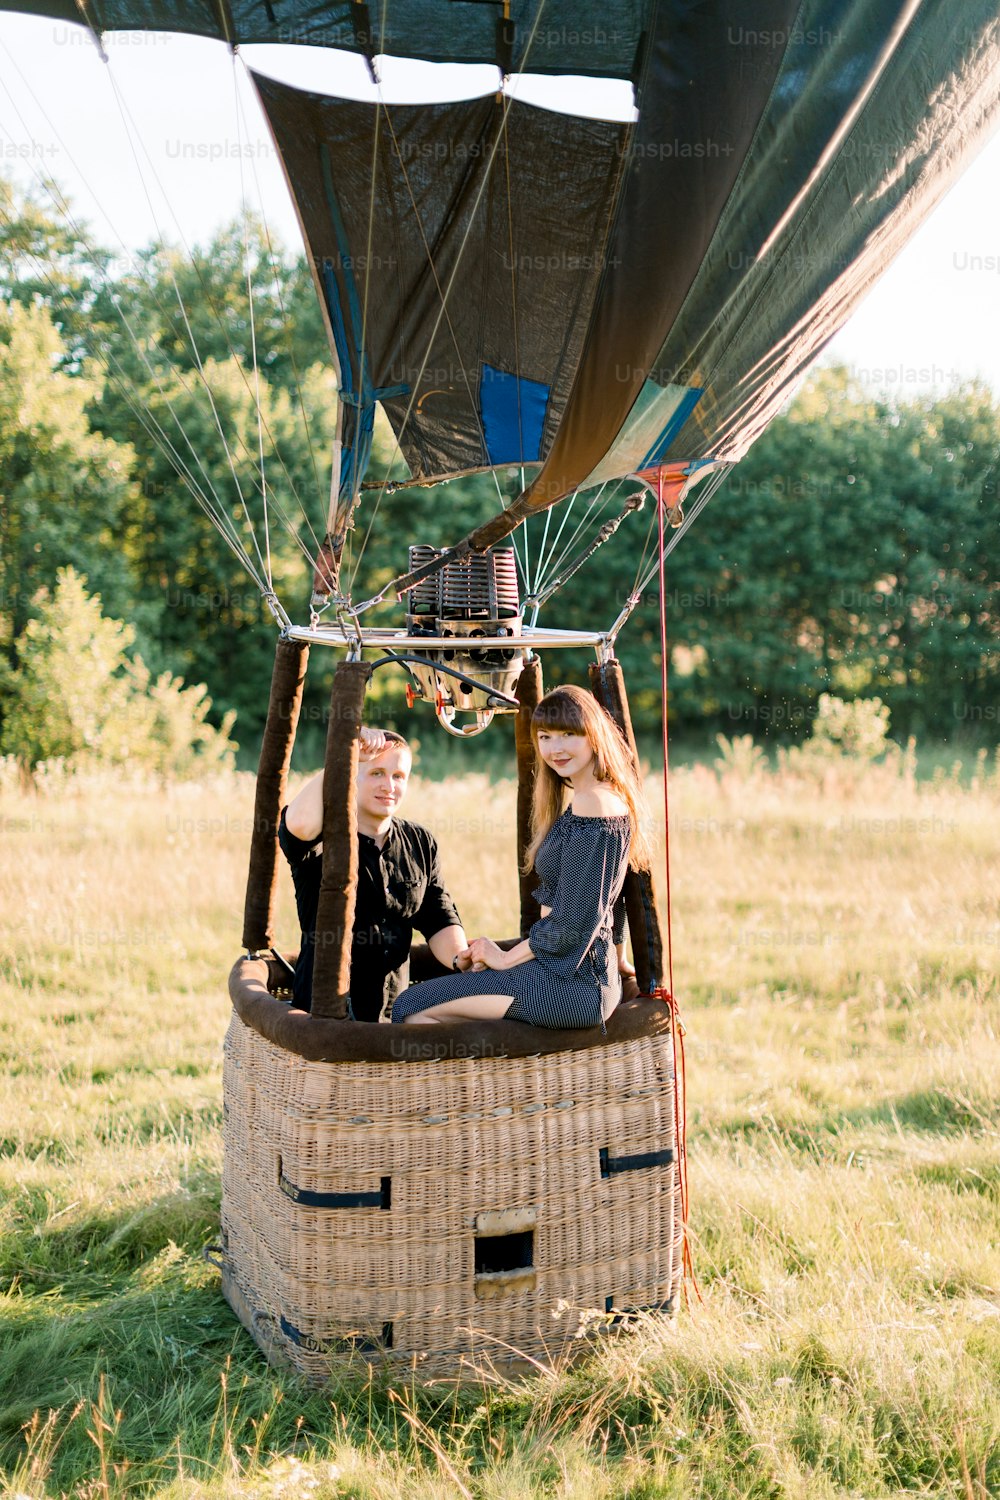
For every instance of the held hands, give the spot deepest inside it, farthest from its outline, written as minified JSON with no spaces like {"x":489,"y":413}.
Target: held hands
{"x":482,"y":953}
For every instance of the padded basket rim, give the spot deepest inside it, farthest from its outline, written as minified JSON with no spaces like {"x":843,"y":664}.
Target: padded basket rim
{"x":324,"y":1040}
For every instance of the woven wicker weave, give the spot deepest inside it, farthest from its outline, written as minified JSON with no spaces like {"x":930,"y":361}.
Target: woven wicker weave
{"x":500,"y":1197}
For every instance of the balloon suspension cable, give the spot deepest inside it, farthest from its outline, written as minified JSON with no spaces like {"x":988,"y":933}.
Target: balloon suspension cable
{"x":217,"y":511}
{"x":136,"y":144}
{"x":348,"y":618}
{"x":405,"y":581}
{"x":274,"y":604}
{"x":279,"y":295}
{"x":556,"y":558}
{"x":668,"y":995}
{"x":680,"y":522}
{"x":595,"y":503}
{"x":253,"y":321}
{"x":634,"y":502}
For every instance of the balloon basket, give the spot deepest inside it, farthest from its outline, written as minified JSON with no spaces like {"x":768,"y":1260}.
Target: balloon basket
{"x":452,"y":1204}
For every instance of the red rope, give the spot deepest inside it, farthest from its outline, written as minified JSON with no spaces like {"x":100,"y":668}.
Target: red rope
{"x":667,"y":995}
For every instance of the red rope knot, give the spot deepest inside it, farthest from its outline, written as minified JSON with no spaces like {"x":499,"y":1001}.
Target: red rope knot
{"x":660,"y":992}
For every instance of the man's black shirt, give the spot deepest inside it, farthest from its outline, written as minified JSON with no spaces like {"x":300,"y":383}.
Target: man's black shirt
{"x":399,"y":888}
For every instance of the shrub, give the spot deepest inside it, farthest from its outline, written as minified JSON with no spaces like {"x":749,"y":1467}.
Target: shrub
{"x":76,"y":697}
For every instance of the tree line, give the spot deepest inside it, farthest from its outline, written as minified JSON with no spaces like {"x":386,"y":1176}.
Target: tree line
{"x":853,"y":552}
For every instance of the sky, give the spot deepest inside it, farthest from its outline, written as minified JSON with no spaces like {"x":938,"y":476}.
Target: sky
{"x":185,"y":110}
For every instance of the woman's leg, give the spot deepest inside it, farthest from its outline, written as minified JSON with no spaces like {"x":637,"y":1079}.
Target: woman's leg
{"x":466,"y":1008}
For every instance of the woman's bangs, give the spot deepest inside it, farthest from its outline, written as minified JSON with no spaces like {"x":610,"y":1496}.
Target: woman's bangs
{"x":560,"y":712}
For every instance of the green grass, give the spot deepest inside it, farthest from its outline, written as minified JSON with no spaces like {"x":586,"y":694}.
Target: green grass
{"x":836,"y":947}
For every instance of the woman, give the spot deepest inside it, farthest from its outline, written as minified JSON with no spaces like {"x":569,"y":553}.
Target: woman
{"x":565,"y":973}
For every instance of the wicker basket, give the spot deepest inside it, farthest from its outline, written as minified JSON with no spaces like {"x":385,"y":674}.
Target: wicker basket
{"x":446,"y":1211}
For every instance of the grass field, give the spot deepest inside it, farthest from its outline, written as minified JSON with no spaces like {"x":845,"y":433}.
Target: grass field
{"x":836,"y":937}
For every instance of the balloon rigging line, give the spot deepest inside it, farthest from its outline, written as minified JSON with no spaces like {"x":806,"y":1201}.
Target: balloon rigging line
{"x":285,"y":322}
{"x":558,"y":574}
{"x":645,"y":553}
{"x":574,"y":564}
{"x":505,"y":107}
{"x":524,"y":570}
{"x":133,"y":135}
{"x":552,"y":563}
{"x":567,"y":510}
{"x":522,"y":562}
{"x":362,"y":373}
{"x":541,"y":550}
{"x":216,"y":513}
{"x":451,"y":280}
{"x":156,"y":432}
{"x":703,"y":495}
{"x":126,"y":118}
{"x":138,"y":347}
{"x":215,"y":510}
{"x":555,"y":561}
{"x":592,"y":504}
{"x":253,"y":323}
{"x":63,"y":208}
{"x":261,"y":418}
{"x":220,"y":519}
{"x":443,"y":313}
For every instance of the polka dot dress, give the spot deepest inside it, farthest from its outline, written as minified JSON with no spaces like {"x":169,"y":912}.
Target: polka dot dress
{"x":573,"y":978}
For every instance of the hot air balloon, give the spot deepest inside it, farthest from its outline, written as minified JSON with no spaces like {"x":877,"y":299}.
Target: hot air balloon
{"x":605,"y":308}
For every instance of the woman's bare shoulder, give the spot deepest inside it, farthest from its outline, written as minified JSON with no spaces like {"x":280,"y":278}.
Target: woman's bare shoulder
{"x":600,"y":801}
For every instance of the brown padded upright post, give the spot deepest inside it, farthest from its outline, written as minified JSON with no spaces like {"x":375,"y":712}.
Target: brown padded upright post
{"x":528,"y":691}
{"x":287,"y":680}
{"x":335,"y":910}
{"x":607,"y":683}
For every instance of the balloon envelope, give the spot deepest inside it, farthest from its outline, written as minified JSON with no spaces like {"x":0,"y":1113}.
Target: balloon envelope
{"x":593,"y":299}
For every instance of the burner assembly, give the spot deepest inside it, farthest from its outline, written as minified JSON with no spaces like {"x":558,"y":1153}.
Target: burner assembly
{"x":473,"y":598}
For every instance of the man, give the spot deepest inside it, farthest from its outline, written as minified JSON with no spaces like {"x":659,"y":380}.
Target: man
{"x":399,"y":881}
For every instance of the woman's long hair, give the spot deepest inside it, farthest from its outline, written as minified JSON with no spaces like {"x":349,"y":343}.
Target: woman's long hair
{"x":576,"y":711}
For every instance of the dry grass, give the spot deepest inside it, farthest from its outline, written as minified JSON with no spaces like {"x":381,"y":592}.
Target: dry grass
{"x":836,"y":945}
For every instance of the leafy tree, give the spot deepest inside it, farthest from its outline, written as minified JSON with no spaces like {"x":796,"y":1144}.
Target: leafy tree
{"x":173,"y":311}
{"x":64,"y":490}
{"x":851,"y":553}
{"x":48,"y":258}
{"x":206,"y":617}
{"x":76,"y":696}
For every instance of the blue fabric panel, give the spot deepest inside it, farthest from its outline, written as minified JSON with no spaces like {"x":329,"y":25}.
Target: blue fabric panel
{"x":344,"y":247}
{"x":513,"y":413}
{"x":685,"y":407}
{"x":339,"y":329}
{"x":359,"y":424}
